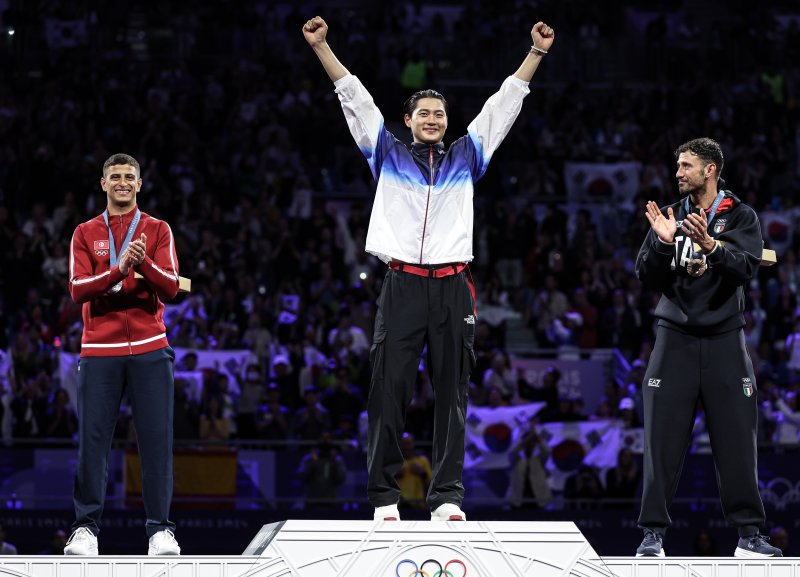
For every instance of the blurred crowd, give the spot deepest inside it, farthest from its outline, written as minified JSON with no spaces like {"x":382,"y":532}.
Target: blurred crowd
{"x":245,"y":153}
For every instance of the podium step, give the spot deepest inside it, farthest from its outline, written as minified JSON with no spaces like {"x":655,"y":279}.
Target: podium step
{"x":404,"y":549}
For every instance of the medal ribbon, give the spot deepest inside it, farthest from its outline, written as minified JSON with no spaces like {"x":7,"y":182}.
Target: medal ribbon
{"x":711,"y":211}
{"x":113,"y":255}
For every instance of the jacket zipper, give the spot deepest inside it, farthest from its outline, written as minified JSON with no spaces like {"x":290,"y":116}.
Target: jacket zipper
{"x":427,"y":202}
{"x":125,"y":312}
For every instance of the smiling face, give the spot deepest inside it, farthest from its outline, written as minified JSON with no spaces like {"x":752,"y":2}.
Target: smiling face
{"x":428,"y":121}
{"x":121,"y":183}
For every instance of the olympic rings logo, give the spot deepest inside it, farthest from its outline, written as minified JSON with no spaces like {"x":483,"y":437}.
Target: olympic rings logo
{"x":439,"y":572}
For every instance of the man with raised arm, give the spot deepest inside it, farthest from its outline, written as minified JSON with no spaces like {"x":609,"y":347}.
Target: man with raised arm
{"x":421,"y":227}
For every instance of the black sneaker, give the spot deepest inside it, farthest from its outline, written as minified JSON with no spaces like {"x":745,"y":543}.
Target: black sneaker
{"x":756,"y":546}
{"x":651,"y":545}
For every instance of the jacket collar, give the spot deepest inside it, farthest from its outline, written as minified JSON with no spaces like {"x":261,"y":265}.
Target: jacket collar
{"x":420,"y":148}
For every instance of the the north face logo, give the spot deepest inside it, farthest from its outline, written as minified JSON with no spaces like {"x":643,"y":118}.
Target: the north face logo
{"x":747,"y":387}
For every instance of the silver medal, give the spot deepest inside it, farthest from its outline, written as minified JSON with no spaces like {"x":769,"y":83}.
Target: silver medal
{"x":116,"y":288}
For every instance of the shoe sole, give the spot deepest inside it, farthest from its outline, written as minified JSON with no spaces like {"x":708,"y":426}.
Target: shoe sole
{"x":751,"y":554}
{"x":662,"y":554}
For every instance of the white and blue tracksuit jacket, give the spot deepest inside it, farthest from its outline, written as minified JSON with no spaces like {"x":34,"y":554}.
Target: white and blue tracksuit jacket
{"x":423,"y":211}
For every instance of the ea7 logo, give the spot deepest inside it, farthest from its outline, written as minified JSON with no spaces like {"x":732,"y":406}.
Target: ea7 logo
{"x":654,"y":383}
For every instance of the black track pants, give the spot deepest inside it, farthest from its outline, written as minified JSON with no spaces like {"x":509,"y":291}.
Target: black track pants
{"x":413,"y":310}
{"x":717,"y":370}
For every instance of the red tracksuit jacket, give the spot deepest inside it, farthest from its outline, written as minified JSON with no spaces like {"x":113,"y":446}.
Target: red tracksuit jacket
{"x":129,"y":322}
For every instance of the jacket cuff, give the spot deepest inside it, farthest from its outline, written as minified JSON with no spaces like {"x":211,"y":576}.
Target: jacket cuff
{"x":715,"y":256}
{"x":665,"y":248}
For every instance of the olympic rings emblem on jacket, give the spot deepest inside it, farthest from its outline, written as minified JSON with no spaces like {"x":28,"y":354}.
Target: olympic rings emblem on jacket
{"x":439,"y":571}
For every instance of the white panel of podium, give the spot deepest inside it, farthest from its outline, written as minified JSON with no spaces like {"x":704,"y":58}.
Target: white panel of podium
{"x":404,"y":549}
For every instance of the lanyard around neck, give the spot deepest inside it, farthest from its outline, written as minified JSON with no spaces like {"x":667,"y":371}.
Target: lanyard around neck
{"x":113,"y":254}
{"x":711,"y":211}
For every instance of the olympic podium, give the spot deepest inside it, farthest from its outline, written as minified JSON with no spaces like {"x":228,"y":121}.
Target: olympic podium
{"x":404,"y":549}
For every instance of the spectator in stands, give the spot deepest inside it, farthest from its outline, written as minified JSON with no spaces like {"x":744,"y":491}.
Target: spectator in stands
{"x":622,"y":481}
{"x":627,"y":413}
{"x":786,"y":416}
{"x":547,"y":393}
{"x":499,"y":376}
{"x":6,"y":548}
{"x":214,"y":426}
{"x":185,"y":420}
{"x":619,"y":325}
{"x":322,"y":470}
{"x":28,"y":409}
{"x":257,"y":338}
{"x":347,"y":336}
{"x":284,"y":375}
{"x":579,"y":409}
{"x":57,"y":543}
{"x":343,"y":397}
{"x":550,"y":304}
{"x":564,"y":411}
{"x":705,"y":545}
{"x":251,"y":396}
{"x":415,"y":476}
{"x":60,"y":420}
{"x":529,"y":486}
{"x":272,"y":419}
{"x":779,"y":537}
{"x":583,"y":489}
{"x":312,"y":419}
{"x":494,"y":398}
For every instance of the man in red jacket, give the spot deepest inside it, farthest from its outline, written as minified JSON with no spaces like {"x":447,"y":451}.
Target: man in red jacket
{"x":124,"y":347}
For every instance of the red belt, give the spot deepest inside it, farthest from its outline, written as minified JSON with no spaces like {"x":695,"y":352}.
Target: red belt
{"x":441,"y":272}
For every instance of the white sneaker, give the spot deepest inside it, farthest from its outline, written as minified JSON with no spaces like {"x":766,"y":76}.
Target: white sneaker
{"x":163,"y":543}
{"x":448,"y":512}
{"x":81,"y":542}
{"x":386,"y":513}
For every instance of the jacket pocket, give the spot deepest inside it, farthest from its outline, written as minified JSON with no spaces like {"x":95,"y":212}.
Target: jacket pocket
{"x":376,"y":353}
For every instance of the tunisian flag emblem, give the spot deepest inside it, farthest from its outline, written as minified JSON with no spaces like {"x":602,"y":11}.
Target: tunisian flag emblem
{"x":101,"y":247}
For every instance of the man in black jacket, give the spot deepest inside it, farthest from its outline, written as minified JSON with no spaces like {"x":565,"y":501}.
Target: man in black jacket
{"x":700,"y":252}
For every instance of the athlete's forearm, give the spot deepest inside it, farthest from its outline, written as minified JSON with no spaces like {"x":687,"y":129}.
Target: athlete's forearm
{"x":330,"y":63}
{"x":528,"y":67}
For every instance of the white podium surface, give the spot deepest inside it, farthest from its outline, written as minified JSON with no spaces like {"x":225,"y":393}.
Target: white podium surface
{"x":441,"y":549}
{"x":404,"y":549}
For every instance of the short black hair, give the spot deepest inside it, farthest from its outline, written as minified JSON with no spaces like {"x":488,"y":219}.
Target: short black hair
{"x":120,"y":159}
{"x":706,"y":149}
{"x":411,"y":103}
